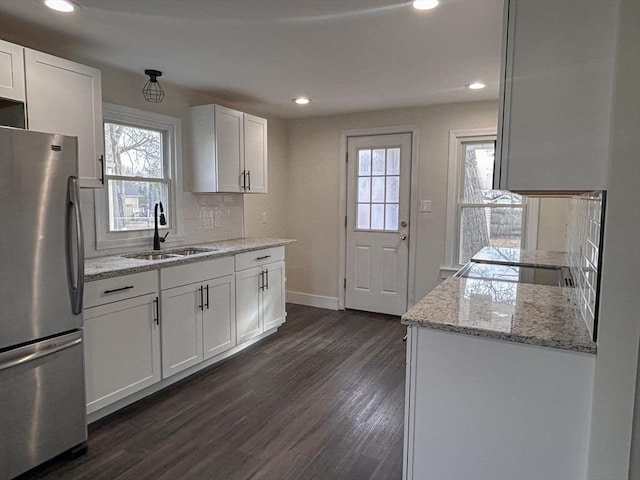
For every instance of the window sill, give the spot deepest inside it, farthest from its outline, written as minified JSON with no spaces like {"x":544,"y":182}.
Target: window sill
{"x":446,"y":272}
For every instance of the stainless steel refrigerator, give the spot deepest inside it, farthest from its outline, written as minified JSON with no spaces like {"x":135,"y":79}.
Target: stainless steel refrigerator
{"x":42,"y":396}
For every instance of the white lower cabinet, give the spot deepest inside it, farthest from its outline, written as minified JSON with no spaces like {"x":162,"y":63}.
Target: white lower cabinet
{"x":181,"y":328}
{"x":122,"y":349}
{"x":260,"y":299}
{"x":198,"y":313}
{"x":481,"y":408}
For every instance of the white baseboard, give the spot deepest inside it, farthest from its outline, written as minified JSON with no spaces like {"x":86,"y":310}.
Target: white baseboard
{"x":299,"y":298}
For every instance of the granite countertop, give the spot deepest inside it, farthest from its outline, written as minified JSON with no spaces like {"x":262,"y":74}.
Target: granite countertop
{"x":517,"y":312}
{"x":515,"y":256}
{"x":113,"y":266}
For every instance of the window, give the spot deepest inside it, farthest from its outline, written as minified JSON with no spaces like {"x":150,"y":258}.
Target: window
{"x":142,"y":168}
{"x":479,"y":216}
{"x":378,"y":189}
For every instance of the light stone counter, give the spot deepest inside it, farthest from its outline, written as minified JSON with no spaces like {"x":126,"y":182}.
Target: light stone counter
{"x":515,"y":256}
{"x":113,"y":266}
{"x":517,"y":312}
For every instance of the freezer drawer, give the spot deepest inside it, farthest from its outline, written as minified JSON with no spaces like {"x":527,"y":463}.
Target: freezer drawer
{"x":42,"y":402}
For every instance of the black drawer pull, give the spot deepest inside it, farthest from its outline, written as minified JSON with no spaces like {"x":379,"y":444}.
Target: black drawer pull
{"x":262,"y":258}
{"x":106,"y":292}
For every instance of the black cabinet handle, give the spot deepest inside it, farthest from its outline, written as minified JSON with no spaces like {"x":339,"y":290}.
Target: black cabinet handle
{"x":207,"y":287}
{"x":266,"y":274}
{"x":201,"y":306}
{"x":261,"y":280}
{"x":249,"y":177}
{"x":262,"y":258}
{"x":157,"y":319}
{"x":129,"y":287}
{"x":244,"y":180}
{"x":101,"y":160}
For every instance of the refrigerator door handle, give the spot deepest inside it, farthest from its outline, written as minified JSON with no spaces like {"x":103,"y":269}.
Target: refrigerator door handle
{"x":76,"y":285}
{"x":34,"y":352}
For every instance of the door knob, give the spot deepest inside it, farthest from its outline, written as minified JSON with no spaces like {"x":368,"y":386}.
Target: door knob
{"x":403,"y":236}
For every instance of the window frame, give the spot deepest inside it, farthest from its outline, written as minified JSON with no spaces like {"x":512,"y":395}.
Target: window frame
{"x":457,"y":140}
{"x":171,"y":128}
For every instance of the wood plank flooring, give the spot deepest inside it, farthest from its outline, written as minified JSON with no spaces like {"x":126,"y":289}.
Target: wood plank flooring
{"x":322,"y":399}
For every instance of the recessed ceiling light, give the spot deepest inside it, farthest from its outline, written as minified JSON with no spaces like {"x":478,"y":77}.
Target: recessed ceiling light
{"x":476,"y":85}
{"x":60,"y":5}
{"x":425,"y":4}
{"x":301,"y":100}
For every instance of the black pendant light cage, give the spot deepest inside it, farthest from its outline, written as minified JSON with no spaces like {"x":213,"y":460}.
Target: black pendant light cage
{"x":152,"y":90}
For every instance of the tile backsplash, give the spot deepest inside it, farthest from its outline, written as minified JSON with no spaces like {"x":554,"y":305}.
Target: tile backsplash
{"x":584,"y":228}
{"x":205,"y":218}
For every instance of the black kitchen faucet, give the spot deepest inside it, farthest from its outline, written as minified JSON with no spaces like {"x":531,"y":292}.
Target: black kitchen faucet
{"x":156,"y":236}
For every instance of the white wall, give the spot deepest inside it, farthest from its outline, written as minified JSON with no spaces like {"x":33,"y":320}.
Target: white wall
{"x":313,"y":189}
{"x":619,"y":330}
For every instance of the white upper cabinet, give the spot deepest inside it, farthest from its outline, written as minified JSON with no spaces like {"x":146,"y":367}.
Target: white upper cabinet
{"x":228,"y":150}
{"x":11,"y":71}
{"x":66,"y":97}
{"x":556,"y":89}
{"x":255,"y":154}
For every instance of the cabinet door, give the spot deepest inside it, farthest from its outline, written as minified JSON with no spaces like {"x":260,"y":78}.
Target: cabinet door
{"x":229,"y":149}
{"x":556,"y":95}
{"x":65,"y":97}
{"x":11,"y":71}
{"x":219,"y":316}
{"x":121,"y":349}
{"x":181,"y":324}
{"x":273,"y":301}
{"x":248,"y":302}
{"x":255,"y":154}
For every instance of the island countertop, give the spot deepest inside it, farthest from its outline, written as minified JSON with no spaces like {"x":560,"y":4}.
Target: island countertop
{"x":518,"y":312}
{"x":115,"y":265}
{"x":527,"y":258}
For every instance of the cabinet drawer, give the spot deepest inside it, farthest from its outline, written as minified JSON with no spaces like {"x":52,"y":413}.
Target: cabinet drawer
{"x":195,"y":272}
{"x":113,"y":289}
{"x":256,"y":258}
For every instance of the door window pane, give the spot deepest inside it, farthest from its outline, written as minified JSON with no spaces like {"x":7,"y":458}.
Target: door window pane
{"x":391,"y":217}
{"x":393,"y":161}
{"x":378,"y":162}
{"x":364,"y":162}
{"x":363,"y":216}
{"x":377,"y":189}
{"x":364,"y":189}
{"x":377,"y":216}
{"x":393,"y":189}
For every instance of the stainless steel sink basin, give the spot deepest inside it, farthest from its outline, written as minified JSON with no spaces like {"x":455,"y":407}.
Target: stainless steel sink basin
{"x":186,"y":251}
{"x":151,"y":256}
{"x":176,"y":253}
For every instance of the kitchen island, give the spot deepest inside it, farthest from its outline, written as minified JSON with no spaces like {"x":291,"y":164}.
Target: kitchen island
{"x":499,"y":382}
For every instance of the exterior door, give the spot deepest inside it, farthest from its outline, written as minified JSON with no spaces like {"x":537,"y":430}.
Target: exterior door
{"x":378,"y":183}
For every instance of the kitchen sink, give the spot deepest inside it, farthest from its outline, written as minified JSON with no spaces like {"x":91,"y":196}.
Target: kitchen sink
{"x":186,"y":251}
{"x":151,"y":256}
{"x":176,"y":253}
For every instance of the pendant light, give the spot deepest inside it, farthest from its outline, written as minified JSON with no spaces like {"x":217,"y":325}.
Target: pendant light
{"x":152,"y":90}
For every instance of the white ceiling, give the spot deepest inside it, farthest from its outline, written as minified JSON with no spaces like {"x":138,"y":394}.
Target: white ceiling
{"x":346,"y":55}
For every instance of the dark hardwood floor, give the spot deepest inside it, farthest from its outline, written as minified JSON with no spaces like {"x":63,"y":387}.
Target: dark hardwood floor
{"x":321,"y":399}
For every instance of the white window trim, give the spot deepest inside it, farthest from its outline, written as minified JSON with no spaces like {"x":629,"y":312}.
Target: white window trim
{"x":173,"y":128}
{"x":531,"y":206}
